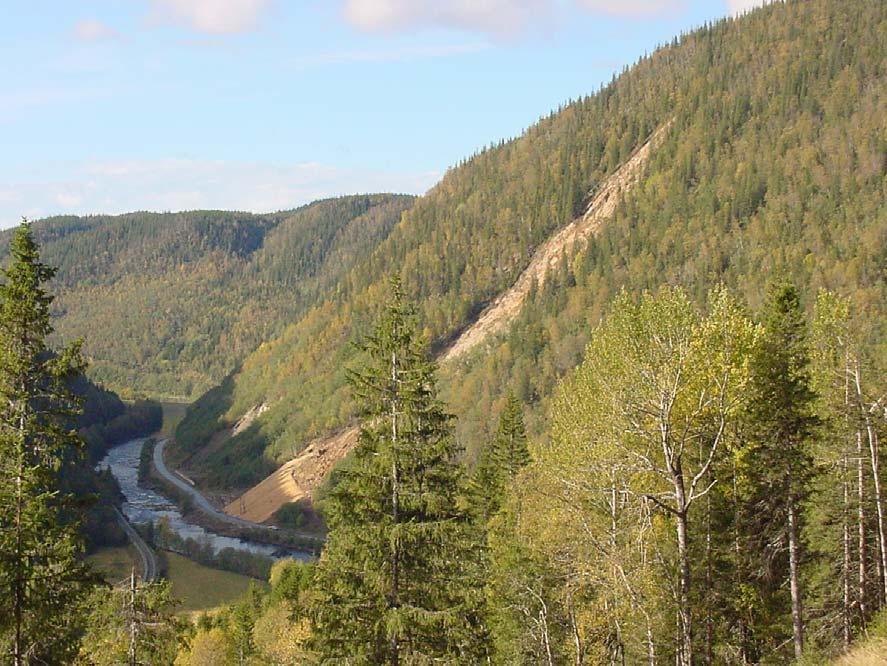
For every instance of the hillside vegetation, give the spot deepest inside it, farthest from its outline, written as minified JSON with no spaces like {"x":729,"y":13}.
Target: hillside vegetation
{"x":670,"y":298}
{"x":774,"y":161}
{"x":297,"y":480}
{"x":169,"y":303}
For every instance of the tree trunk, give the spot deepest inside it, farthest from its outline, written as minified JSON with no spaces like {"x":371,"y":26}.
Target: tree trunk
{"x":879,"y":503}
{"x":651,"y":645}
{"x":874,"y":456}
{"x":879,"y":506}
{"x":709,"y":629}
{"x":543,"y":626}
{"x":744,"y":651}
{"x":18,"y":598}
{"x":395,"y":508}
{"x":845,"y":568}
{"x":862,"y":558}
{"x":862,"y":564}
{"x":577,"y":638}
{"x":794,"y":578}
{"x":685,"y":650}
{"x":18,"y":592}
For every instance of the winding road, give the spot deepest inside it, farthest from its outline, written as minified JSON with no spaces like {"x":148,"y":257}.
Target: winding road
{"x":149,"y":560}
{"x":200,"y":501}
{"x":203,"y":504}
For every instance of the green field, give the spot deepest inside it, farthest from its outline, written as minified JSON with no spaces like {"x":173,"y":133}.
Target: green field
{"x":198,"y":587}
{"x":173,"y":412}
{"x":201,"y":588}
{"x":115,"y":564}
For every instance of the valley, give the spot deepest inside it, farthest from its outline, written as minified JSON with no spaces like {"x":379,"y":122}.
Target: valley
{"x":143,"y":505}
{"x":199,"y":587}
{"x":718,"y":201}
{"x":610,"y":391}
{"x":296,"y":480}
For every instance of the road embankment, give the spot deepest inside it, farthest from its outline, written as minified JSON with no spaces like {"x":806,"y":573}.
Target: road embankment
{"x":220,"y":521}
{"x":147,"y":556}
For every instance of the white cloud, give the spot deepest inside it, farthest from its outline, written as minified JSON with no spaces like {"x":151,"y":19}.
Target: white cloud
{"x":741,"y":6}
{"x":211,"y":16}
{"x":497,"y":17}
{"x":161,"y":185}
{"x":633,"y":8}
{"x":14,"y":103}
{"x":92,"y":30}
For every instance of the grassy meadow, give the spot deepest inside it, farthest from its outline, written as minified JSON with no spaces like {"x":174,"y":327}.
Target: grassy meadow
{"x":199,"y":587}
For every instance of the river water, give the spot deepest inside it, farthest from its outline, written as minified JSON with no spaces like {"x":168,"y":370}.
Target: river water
{"x":144,"y":505}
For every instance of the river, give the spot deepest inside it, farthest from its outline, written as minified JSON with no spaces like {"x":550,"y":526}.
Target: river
{"x":143,"y":505}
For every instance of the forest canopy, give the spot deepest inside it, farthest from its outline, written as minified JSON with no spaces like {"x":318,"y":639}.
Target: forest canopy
{"x":774,"y":162}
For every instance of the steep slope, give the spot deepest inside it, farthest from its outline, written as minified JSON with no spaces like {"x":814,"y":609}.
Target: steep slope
{"x":456,"y":249}
{"x":775,"y":162}
{"x":168,"y":303}
{"x":297,"y":479}
{"x":505,"y":309}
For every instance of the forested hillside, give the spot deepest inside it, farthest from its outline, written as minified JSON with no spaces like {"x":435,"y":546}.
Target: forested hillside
{"x":666,"y":448}
{"x":774,"y":162}
{"x":169,"y":303}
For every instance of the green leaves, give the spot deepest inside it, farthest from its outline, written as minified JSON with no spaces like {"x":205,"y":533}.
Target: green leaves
{"x":42,"y":580}
{"x":500,"y":462}
{"x":640,"y":436}
{"x":398,"y":580}
{"x":114,"y":617}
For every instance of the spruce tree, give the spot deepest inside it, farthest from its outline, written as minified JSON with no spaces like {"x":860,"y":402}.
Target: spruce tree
{"x":397,"y":582}
{"x":501,"y":461}
{"x":131,"y":624}
{"x":41,"y":579}
{"x":777,"y":467}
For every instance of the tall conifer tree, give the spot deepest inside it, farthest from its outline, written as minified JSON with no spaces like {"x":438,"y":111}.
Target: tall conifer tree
{"x":396,"y":581}
{"x":778,"y":465}
{"x":41,"y":580}
{"x":500,"y":462}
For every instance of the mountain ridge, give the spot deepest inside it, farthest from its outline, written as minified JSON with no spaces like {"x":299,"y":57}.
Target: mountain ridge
{"x":753,"y":99}
{"x":168,"y":303}
{"x":298,"y":479}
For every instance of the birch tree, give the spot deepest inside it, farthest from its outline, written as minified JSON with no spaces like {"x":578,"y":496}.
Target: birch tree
{"x":637,"y":433}
{"x":840,"y":455}
{"x":849,"y":396}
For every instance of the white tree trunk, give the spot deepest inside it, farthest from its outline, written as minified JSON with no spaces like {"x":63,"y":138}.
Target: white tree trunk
{"x":862,"y":558}
{"x":845,"y":568}
{"x":874,"y":457}
{"x":794,"y":579}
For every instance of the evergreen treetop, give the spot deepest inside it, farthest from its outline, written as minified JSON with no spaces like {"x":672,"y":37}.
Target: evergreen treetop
{"x":394,"y":584}
{"x":41,"y":579}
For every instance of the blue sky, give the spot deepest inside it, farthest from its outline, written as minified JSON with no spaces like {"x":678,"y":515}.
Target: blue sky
{"x":115,"y":105}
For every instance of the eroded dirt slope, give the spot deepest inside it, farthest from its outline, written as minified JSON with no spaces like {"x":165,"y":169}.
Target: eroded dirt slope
{"x":499,"y":314}
{"x":297,"y":479}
